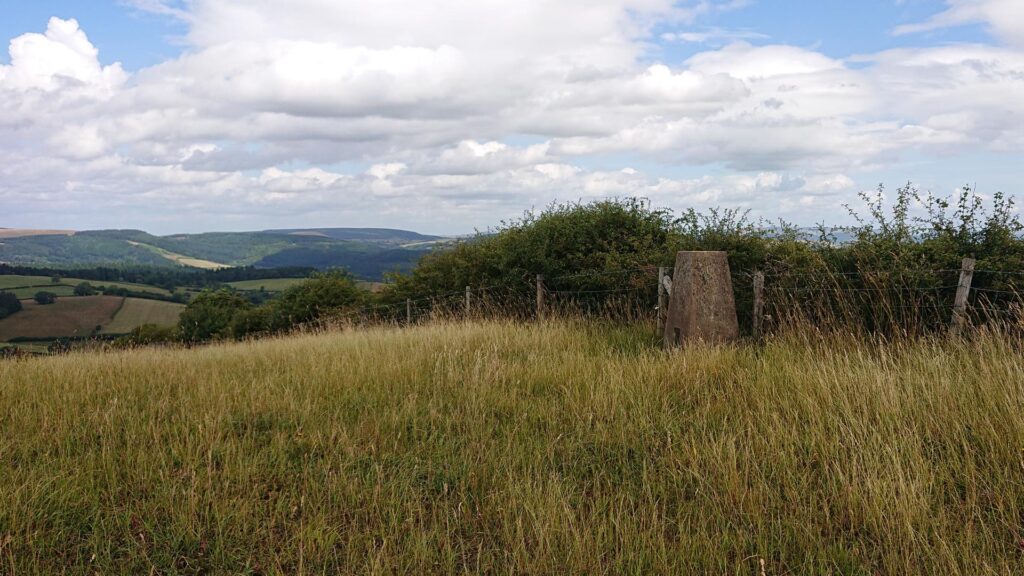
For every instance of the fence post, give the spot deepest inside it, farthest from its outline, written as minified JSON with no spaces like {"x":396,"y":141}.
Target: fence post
{"x":540,"y":296}
{"x":963,"y":291}
{"x":408,"y":310}
{"x":662,"y":301}
{"x":758,"y":304}
{"x":469,"y":301}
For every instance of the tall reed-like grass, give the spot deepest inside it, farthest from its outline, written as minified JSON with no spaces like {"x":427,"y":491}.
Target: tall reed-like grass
{"x":511,"y":448}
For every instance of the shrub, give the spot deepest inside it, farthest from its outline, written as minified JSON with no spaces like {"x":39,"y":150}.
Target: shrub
{"x":324,"y":293}
{"x":890,"y":269}
{"x":210,"y":315}
{"x":148,"y":335}
{"x":45,"y":298}
{"x":9,"y":304}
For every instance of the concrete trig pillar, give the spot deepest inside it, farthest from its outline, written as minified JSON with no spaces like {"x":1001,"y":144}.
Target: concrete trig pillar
{"x":702,"y":306}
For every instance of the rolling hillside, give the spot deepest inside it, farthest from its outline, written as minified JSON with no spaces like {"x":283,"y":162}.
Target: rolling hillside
{"x":367,"y":253}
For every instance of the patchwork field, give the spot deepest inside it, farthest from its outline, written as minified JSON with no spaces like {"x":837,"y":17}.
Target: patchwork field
{"x":135,"y":312}
{"x":499,"y":448}
{"x":67,"y":318}
{"x":26,"y":286}
{"x":75,"y":317}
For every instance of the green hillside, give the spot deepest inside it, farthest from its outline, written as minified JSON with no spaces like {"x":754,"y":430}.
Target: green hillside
{"x":368,"y":254}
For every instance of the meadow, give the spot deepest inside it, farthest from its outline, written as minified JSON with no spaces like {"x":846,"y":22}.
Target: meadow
{"x":137,"y":312}
{"x":25,"y":287}
{"x":517,"y":448}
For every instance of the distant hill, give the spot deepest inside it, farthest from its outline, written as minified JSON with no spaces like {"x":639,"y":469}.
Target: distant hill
{"x":375,"y":235}
{"x":366,"y":252}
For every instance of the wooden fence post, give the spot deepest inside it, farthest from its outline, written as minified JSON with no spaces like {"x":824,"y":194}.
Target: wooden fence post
{"x":408,"y":311}
{"x":662,"y":301}
{"x":963,"y":292}
{"x":469,"y":300}
{"x":758,"y":304}
{"x":540,"y":296}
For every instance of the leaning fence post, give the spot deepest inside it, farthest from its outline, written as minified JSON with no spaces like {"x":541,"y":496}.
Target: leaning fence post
{"x":540,"y":296}
{"x":758,"y":303}
{"x":408,"y":310}
{"x":469,"y":301}
{"x":661,"y":299}
{"x":963,"y":291}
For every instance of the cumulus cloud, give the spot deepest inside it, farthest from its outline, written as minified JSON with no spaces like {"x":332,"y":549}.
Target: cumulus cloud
{"x":463,"y":113}
{"x":61,"y":60}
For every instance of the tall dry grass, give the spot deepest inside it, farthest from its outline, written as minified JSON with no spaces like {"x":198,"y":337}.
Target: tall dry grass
{"x":512,"y":448}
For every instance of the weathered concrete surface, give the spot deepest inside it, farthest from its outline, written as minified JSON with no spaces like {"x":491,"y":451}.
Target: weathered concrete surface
{"x":702,"y":306}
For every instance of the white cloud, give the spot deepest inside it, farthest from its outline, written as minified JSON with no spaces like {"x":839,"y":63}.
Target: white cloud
{"x":61,"y":60}
{"x":1004,"y":17}
{"x":444,"y":109}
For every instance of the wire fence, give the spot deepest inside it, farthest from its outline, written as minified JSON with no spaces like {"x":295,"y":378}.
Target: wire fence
{"x":896,"y":302}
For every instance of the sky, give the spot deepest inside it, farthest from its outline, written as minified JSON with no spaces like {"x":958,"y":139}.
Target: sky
{"x":447,"y":116}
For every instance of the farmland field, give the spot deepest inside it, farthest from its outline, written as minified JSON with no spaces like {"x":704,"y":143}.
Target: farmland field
{"x":137,"y":312}
{"x":270,"y":285}
{"x":66,"y":318}
{"x":282,"y":284}
{"x":26,"y":286}
{"x":508,"y":448}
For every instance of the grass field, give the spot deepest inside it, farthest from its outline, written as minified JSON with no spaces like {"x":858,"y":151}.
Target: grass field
{"x":270,"y":285}
{"x":137,"y":312}
{"x":26,"y":286}
{"x":66,"y":318}
{"x":503,"y":448}
{"x":282,"y":284}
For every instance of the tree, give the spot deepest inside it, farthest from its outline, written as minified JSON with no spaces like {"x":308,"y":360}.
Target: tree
{"x":9,"y":304}
{"x":84,"y":289}
{"x":210,"y":315}
{"x":311,"y":300}
{"x":45,"y":298}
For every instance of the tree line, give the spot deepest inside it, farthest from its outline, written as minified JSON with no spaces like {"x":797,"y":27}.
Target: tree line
{"x":162,"y":277}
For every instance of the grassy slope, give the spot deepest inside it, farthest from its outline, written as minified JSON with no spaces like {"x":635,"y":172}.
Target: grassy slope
{"x":514,"y":449}
{"x":67,"y":317}
{"x":137,"y":312}
{"x":180,"y":258}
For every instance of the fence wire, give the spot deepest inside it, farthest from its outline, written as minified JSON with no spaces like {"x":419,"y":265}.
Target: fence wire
{"x":903,"y":301}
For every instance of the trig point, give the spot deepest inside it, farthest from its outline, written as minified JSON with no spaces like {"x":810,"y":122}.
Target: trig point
{"x":702,"y":306}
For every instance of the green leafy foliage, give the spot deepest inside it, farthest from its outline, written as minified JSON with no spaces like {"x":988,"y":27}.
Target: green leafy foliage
{"x":228,"y":314}
{"x":9,"y":304}
{"x":905,"y":263}
{"x":209,"y":315}
{"x":45,"y":298}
